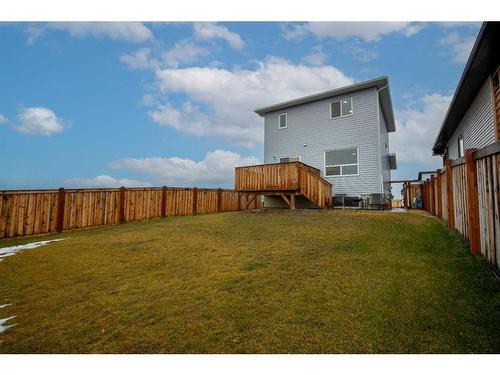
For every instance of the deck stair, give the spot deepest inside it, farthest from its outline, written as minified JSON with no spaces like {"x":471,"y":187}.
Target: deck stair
{"x":287,"y":180}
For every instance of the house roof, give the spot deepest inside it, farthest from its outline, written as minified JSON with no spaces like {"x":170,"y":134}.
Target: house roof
{"x":421,"y":174}
{"x":381,"y":83}
{"x":483,"y":59}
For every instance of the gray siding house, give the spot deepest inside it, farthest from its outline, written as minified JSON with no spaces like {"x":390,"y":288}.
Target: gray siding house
{"x":472,"y":118}
{"x":342,"y":132}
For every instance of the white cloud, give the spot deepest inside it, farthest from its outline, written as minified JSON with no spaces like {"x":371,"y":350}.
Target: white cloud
{"x":360,"y":53}
{"x":140,"y":59}
{"x":3,"y":119}
{"x":129,"y":31}
{"x":366,"y":31}
{"x":459,"y":47}
{"x":294,"y":31}
{"x":183,"y":53}
{"x":233,"y":95}
{"x":39,"y":121}
{"x":103,"y":181}
{"x":217,"y":167}
{"x":417,"y":129}
{"x":315,"y":57}
{"x":34,"y":32}
{"x":210,"y":30}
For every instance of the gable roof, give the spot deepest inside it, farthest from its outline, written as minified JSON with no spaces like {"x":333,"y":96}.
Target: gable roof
{"x":381,"y":83}
{"x":483,"y":59}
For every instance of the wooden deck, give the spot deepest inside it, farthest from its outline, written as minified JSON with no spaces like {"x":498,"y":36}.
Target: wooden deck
{"x":287,"y":180}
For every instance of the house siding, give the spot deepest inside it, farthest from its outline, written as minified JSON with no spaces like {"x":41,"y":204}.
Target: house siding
{"x":310,"y":124}
{"x":384,"y":152}
{"x":478,"y":125}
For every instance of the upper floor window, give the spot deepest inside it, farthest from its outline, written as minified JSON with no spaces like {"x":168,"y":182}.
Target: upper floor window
{"x":283,"y":121}
{"x":341,"y":108}
{"x":461,"y":151}
{"x":342,"y":162}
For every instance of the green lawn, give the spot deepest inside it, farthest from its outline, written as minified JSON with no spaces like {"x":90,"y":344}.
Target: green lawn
{"x":253,"y":282}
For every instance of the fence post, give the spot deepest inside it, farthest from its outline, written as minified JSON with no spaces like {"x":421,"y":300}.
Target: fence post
{"x":219,"y":199}
{"x":439,"y":196}
{"x":164,"y":201}
{"x":122,"y":205}
{"x":239,"y":201}
{"x":449,"y":194}
{"x":432,"y":204}
{"x":472,"y":202}
{"x":60,"y":209}
{"x":195,"y":200}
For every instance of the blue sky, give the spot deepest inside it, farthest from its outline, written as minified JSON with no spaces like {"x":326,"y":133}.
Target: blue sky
{"x":110,"y":104}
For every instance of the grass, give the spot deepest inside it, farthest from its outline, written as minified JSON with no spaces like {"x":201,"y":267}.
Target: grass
{"x":253,"y":282}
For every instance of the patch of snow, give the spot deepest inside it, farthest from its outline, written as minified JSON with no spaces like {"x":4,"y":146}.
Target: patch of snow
{"x":5,"y":328}
{"x":5,"y":305}
{"x":8,"y":251}
{"x":398,"y":209}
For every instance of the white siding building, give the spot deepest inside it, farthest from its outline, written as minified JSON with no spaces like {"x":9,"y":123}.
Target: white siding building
{"x":342,"y":132}
{"x":472,"y":119}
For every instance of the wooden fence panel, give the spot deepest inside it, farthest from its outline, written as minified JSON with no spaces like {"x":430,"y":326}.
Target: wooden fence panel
{"x":27,"y":213}
{"x":460,"y":198}
{"x":32,"y":212}
{"x":206,"y":201}
{"x":444,"y":206}
{"x":487,"y":180}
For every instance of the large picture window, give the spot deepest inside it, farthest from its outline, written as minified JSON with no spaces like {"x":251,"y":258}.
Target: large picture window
{"x":341,"y":108}
{"x":343,"y":162}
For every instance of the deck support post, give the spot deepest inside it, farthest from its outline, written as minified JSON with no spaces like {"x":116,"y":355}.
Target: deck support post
{"x":249,"y":201}
{"x":292,"y":201}
{"x":472,"y":202}
{"x":286,"y":200}
{"x":449,"y":194}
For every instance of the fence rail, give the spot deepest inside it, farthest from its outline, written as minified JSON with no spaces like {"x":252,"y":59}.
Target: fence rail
{"x":29,"y":212}
{"x":466,"y":194}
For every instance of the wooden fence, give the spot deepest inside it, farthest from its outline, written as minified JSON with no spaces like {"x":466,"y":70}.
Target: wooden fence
{"x":29,"y":212}
{"x":466,"y":194}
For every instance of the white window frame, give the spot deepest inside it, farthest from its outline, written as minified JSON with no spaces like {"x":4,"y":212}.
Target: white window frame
{"x":286,"y":120}
{"x":341,"y":114}
{"x":340,"y":165}
{"x":289,"y":157}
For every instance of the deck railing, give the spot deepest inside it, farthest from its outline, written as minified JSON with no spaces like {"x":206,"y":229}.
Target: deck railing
{"x":292,"y":177}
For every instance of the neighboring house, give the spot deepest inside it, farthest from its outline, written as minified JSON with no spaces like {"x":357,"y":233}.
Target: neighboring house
{"x":472,"y":120}
{"x":341,"y":132}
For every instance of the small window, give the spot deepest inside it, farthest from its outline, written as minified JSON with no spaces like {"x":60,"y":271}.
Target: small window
{"x":290,"y":159}
{"x":341,"y":108}
{"x":461,"y":146}
{"x":341,"y":162}
{"x":283,"y":121}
